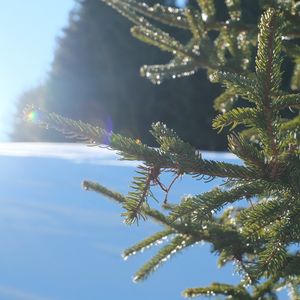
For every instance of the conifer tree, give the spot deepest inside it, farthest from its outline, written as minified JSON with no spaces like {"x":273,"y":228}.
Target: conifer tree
{"x":262,"y":238}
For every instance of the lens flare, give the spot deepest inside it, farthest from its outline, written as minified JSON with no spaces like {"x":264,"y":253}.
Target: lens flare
{"x":33,"y":116}
{"x":38,"y":117}
{"x":108,"y":127}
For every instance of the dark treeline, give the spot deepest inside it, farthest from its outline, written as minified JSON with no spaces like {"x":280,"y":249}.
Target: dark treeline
{"x":95,"y":78}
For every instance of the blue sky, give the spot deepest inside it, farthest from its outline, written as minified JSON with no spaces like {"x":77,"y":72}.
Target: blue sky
{"x":27,"y":30}
{"x":60,"y":242}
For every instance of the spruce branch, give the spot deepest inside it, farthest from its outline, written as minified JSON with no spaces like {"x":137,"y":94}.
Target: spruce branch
{"x":176,"y":245}
{"x":236,"y":292}
{"x":196,"y":24}
{"x":268,"y":59}
{"x":170,"y":142}
{"x":271,"y":260}
{"x":247,"y":151}
{"x":234,"y":9}
{"x":129,"y":149}
{"x":225,"y":101}
{"x":96,"y":187}
{"x":261,"y":92}
{"x":137,"y":198}
{"x":236,"y":116}
{"x":268,"y":63}
{"x":166,"y":15}
{"x":237,"y":35}
{"x":200,"y":207}
{"x":295,"y":80}
{"x":179,"y":67}
{"x":154,"y":214}
{"x":208,"y":9}
{"x":266,"y":288}
{"x":154,"y":239}
{"x":238,"y":84}
{"x":159,"y":38}
{"x":291,"y":125}
{"x":286,"y":101}
{"x":128,"y":12}
{"x":260,"y":216}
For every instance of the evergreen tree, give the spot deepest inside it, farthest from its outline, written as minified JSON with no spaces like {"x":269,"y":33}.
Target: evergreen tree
{"x":262,"y":239}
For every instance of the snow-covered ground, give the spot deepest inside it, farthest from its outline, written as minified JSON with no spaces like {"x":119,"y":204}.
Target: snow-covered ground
{"x":61,"y":242}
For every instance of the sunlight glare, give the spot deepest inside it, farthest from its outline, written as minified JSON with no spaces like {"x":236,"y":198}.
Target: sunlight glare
{"x":33,"y":116}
